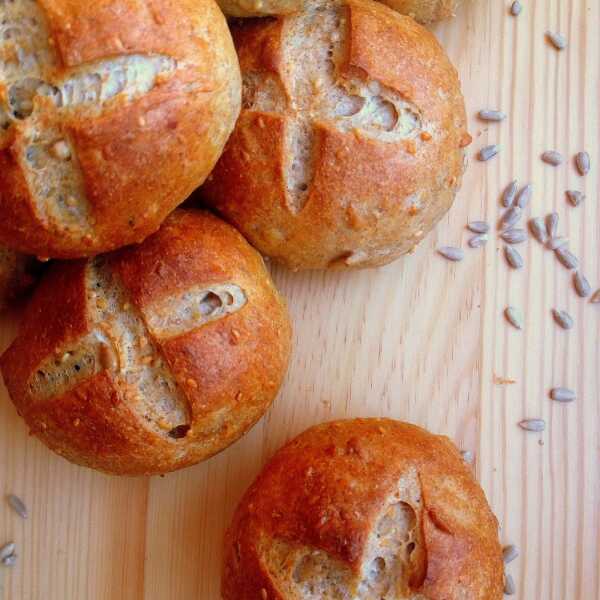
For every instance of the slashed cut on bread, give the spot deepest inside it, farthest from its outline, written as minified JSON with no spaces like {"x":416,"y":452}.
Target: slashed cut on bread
{"x":365,"y":509}
{"x":155,"y":357}
{"x":111,"y":113}
{"x":349,"y":146}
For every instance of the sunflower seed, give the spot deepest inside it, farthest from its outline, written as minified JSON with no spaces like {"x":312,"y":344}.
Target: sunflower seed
{"x":556,"y":242}
{"x":575,"y":197}
{"x":514,"y":317}
{"x":595,"y":299}
{"x":538,"y":230}
{"x":557,"y":40}
{"x":552,"y":224}
{"x":510,"y":217}
{"x":478,"y":240}
{"x":451,"y":253}
{"x":566,"y":257}
{"x":513,"y":258}
{"x":478,"y":226}
{"x":17,"y":505}
{"x":468,"y":456}
{"x":509,"y":553}
{"x":516,"y":8}
{"x":488,"y":152}
{"x":10,"y":561}
{"x":514,"y":236}
{"x":533,"y":424}
{"x":7,"y":550}
{"x":524,"y":196}
{"x":563,"y":395}
{"x":582,"y":161}
{"x":509,"y":585}
{"x":552,"y":157}
{"x":508,"y":196}
{"x":581,"y":284}
{"x":492,"y":115}
{"x":562,"y":318}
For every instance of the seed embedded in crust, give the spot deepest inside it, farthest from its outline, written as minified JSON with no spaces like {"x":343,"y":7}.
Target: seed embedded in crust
{"x":509,"y":553}
{"x":514,"y":317}
{"x":552,"y":157}
{"x":510,"y":217}
{"x":514,"y":236}
{"x":515,"y":8}
{"x":478,"y":240}
{"x":17,"y":505}
{"x":451,"y":253}
{"x":561,"y":394}
{"x":566,"y":257}
{"x":524,"y":196}
{"x":557,"y":40}
{"x":575,"y":197}
{"x":491,"y":115}
{"x":513,"y":258}
{"x":556,"y":242}
{"x":552,"y":224}
{"x":61,"y":150}
{"x":508,"y":197}
{"x":538,"y":229}
{"x":478,"y":226}
{"x":581,"y":284}
{"x":488,"y":152}
{"x":562,"y":318}
{"x":533,"y":424}
{"x":582,"y":161}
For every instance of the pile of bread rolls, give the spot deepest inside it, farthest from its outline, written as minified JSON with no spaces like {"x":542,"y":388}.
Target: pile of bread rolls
{"x":326,"y":134}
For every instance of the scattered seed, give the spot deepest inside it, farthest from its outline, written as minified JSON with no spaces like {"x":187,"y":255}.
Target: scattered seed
{"x":514,"y":317}
{"x":488,"y":152}
{"x":563,"y":395}
{"x":510,"y":217}
{"x":478,"y":226}
{"x":10,"y":561}
{"x":581,"y":284}
{"x":552,"y":157}
{"x":17,"y":505}
{"x":566,"y":257}
{"x":508,"y":196}
{"x":509,"y":553}
{"x":575,"y":197}
{"x":451,"y":253}
{"x":557,"y":40}
{"x":595,"y":299}
{"x":552,"y":224}
{"x":538,"y":230}
{"x":516,"y":8}
{"x":7,"y":550}
{"x":562,"y":318}
{"x":468,"y":456}
{"x":513,"y":258}
{"x":478,"y":240}
{"x":533,"y":424}
{"x":582,"y":161}
{"x":492,"y":115}
{"x":514,"y":236}
{"x":556,"y":242}
{"x":524,"y":196}
{"x":509,"y":585}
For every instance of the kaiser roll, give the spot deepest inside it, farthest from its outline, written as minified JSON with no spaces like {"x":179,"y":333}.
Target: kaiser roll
{"x":154,"y":357}
{"x":366,"y":509}
{"x":111,"y":113}
{"x":349,"y":147}
{"x":16,"y":275}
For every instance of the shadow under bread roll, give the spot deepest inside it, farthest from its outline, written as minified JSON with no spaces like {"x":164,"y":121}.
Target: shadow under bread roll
{"x":17,"y":275}
{"x":154,"y":357}
{"x":364,"y":509}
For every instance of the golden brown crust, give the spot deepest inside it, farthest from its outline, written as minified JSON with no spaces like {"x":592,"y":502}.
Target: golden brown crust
{"x":369,"y":200}
{"x":325,"y":489}
{"x":425,"y":11}
{"x":228,"y":370}
{"x":139,"y":157}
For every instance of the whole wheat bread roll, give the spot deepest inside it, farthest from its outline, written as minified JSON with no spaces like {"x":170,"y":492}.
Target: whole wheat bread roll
{"x":154,"y":357}
{"x":111,"y":113}
{"x":424,"y":11}
{"x":365,"y":509}
{"x":349,"y":146}
{"x":16,"y":275}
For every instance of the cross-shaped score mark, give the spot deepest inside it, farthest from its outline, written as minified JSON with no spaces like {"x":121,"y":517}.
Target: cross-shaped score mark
{"x":36,"y":99}
{"x":310,"y":90}
{"x":126,"y":343}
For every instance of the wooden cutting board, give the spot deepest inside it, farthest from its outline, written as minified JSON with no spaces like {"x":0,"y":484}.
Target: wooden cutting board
{"x":420,"y":340}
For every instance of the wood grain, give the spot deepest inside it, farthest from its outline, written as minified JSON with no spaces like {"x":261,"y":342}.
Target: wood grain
{"x":420,"y":340}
